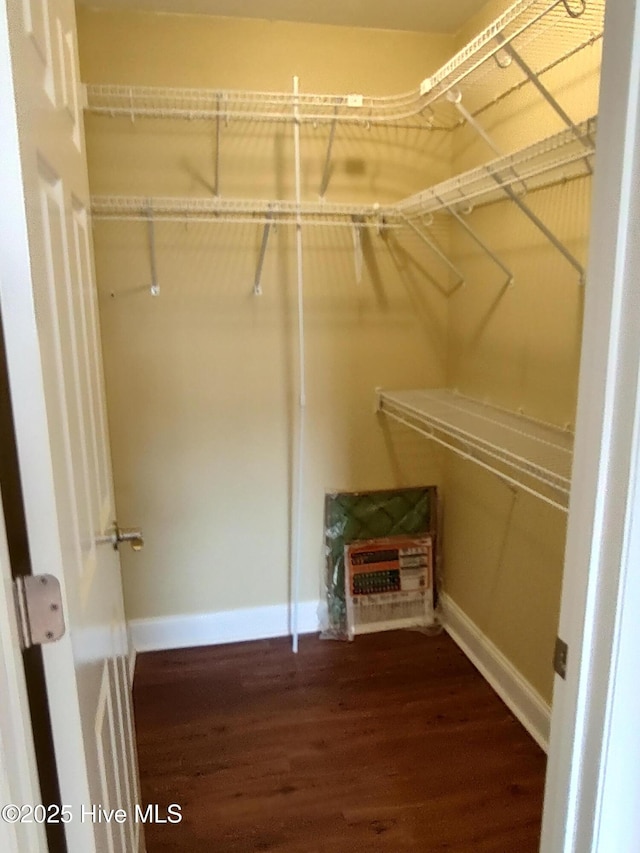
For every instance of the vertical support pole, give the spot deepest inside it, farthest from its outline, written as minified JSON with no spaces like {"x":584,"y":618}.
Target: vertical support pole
{"x":151,"y":234}
{"x":297,"y":525}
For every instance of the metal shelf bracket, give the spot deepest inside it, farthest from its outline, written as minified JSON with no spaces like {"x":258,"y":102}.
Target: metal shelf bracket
{"x":546,"y":94}
{"x":257,"y":286}
{"x":510,"y":192}
{"x":357,"y":247}
{"x":474,"y":236}
{"x":326,"y":172}
{"x":155,"y":287}
{"x":435,"y":249}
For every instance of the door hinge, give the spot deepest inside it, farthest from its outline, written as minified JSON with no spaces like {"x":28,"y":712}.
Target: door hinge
{"x":560,"y":657}
{"x":38,"y":609}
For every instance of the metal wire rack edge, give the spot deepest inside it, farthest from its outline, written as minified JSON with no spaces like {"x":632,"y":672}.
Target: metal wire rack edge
{"x":544,"y":157}
{"x":192,"y":103}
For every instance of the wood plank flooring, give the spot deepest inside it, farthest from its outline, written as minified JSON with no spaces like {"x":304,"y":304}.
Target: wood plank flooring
{"x":390,"y":744}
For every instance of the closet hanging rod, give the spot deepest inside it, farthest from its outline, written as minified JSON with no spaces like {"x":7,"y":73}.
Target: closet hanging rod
{"x":525,"y":21}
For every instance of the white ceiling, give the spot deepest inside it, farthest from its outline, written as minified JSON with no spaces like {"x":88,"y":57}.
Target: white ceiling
{"x":441,"y":16}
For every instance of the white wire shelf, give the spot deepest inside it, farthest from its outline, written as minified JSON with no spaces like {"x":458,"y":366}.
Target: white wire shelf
{"x":558,"y":158}
{"x":169,"y":208}
{"x":529,"y":454}
{"x":542,"y":31}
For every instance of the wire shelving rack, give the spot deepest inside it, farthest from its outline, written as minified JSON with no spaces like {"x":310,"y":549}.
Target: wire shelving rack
{"x":528,"y":454}
{"x":564,"y":27}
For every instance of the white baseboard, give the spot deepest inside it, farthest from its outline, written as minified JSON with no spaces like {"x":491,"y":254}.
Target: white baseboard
{"x":519,"y":696}
{"x":230,"y":626}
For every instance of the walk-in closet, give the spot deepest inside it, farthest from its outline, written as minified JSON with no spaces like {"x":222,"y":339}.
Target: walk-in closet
{"x":303,"y":293}
{"x":341,"y":257}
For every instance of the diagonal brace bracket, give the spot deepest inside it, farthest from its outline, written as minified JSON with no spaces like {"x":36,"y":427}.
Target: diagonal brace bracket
{"x":435,"y":249}
{"x":508,"y":190}
{"x":474,"y":236}
{"x":216,"y":184}
{"x":257,"y":287}
{"x":551,"y":237}
{"x":151,"y":235}
{"x":357,"y":247}
{"x":326,"y":172}
{"x":546,"y":94}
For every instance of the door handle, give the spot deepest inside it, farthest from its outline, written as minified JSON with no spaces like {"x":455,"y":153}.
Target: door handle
{"x":132,"y":535}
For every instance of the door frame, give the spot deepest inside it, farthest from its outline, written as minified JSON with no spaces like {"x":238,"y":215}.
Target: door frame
{"x":593,"y":779}
{"x":593,"y":773}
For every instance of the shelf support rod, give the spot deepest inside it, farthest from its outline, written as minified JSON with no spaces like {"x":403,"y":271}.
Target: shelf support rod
{"x":474,"y":236}
{"x":151,"y":234}
{"x":546,"y":94}
{"x":326,"y":173}
{"x":299,"y":470}
{"x":551,"y":237}
{"x":434,"y":248}
{"x":257,"y":288}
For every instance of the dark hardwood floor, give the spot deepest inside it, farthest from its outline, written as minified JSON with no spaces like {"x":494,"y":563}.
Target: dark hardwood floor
{"x":392,"y":743}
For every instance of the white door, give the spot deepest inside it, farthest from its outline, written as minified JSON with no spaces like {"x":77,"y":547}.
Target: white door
{"x":593,"y":774}
{"x":47,"y":300}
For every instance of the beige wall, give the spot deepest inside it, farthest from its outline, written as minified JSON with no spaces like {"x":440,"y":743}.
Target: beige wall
{"x":519,"y":348}
{"x":202,"y":380}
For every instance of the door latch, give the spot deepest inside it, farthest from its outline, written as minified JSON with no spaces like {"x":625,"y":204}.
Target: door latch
{"x":38,"y":609}
{"x":133,"y":535}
